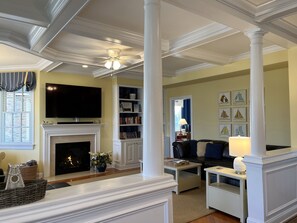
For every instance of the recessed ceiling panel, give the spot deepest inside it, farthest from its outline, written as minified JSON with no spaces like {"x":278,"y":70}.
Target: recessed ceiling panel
{"x":67,"y":42}
{"x":129,"y":14}
{"x":292,"y":19}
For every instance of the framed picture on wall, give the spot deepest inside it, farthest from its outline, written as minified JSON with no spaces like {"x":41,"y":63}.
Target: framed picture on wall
{"x":239,"y":130}
{"x":239,"y":114}
{"x":225,"y":130}
{"x":225,"y":114}
{"x":224,"y":98}
{"x":239,"y":97}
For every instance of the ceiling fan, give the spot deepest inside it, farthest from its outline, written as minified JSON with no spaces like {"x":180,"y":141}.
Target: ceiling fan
{"x":115,"y":60}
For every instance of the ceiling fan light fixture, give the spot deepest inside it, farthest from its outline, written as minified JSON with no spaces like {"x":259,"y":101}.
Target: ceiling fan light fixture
{"x":116,"y":64}
{"x":108,"y":64}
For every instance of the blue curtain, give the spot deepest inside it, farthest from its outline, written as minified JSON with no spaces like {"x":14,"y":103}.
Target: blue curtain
{"x":186,"y":113}
{"x":13,"y":81}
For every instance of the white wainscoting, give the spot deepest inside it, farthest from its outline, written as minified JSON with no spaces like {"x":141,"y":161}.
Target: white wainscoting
{"x":272,"y":186}
{"x":129,"y":199}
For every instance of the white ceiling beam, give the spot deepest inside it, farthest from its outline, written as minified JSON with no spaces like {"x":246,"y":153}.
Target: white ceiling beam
{"x":67,"y":13}
{"x":52,"y":66}
{"x":275,"y":10}
{"x":200,"y":37}
{"x":218,"y":11}
{"x":283,"y":29}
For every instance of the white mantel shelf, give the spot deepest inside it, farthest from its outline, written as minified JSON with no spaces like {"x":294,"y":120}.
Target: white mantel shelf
{"x":52,"y":130}
{"x":132,"y":198}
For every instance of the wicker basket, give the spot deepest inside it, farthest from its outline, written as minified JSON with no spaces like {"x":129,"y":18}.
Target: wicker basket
{"x":29,"y":172}
{"x":34,"y":190}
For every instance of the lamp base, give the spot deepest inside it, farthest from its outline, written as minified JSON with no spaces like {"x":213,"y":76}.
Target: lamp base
{"x":239,"y":166}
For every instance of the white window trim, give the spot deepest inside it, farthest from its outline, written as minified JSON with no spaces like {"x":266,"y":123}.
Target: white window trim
{"x":21,"y":146}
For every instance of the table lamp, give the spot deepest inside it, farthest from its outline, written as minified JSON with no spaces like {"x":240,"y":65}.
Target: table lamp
{"x":239,"y":146}
{"x":181,"y":123}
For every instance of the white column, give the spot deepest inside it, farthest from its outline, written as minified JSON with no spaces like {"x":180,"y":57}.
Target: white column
{"x":153,"y":107}
{"x":257,"y":115}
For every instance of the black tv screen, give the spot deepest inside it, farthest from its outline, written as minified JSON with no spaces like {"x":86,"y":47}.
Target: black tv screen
{"x":68,"y":101}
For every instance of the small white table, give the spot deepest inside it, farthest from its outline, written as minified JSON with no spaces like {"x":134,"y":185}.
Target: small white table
{"x":185,"y":180}
{"x":225,"y":197}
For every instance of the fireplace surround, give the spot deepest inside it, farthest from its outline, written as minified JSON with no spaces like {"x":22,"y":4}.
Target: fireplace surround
{"x":65,"y":133}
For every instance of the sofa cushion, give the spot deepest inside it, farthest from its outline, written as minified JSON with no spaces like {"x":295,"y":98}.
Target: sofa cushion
{"x":201,"y":147}
{"x":183,"y":150}
{"x":213,"y":151}
{"x":193,"y":148}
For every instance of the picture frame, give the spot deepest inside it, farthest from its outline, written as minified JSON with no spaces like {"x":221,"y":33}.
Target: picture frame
{"x":225,"y":114}
{"x":239,"y":130}
{"x":239,"y":114}
{"x":225,"y":130}
{"x":239,"y":97}
{"x":224,"y":98}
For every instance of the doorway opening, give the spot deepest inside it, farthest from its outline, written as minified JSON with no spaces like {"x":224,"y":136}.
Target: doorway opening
{"x":180,"y":119}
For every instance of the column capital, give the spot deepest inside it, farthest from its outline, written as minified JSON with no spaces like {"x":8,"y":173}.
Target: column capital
{"x":255,"y":33}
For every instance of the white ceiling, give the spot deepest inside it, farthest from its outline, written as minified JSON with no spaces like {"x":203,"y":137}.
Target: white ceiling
{"x":61,"y":35}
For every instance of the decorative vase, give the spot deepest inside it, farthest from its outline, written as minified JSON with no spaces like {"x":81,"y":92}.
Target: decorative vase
{"x":101,"y":167}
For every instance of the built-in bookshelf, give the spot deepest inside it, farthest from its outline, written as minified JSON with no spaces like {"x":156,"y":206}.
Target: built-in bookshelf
{"x":130,"y":112}
{"x":127,"y":143}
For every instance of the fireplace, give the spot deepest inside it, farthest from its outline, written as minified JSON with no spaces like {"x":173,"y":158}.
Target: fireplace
{"x":72,"y":157}
{"x":66,"y":133}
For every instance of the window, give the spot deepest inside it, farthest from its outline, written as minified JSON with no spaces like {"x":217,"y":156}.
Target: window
{"x":16,"y":119}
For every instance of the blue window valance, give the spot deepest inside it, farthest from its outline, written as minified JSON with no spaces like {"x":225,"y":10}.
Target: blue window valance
{"x":13,"y":81}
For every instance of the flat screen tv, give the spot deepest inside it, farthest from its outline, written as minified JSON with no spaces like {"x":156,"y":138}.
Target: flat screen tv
{"x":68,"y":101}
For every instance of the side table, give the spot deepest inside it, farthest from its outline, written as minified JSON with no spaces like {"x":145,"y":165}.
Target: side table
{"x":223,"y":196}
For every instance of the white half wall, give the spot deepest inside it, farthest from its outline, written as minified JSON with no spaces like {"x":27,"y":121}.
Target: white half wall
{"x":129,"y":199}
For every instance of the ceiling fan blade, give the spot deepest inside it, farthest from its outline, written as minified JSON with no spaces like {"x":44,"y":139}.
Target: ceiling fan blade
{"x":135,"y":57}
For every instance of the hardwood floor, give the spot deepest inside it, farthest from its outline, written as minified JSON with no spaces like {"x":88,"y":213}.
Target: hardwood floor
{"x":217,"y":217}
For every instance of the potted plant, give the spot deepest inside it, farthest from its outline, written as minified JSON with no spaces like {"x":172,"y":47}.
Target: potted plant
{"x":99,"y":160}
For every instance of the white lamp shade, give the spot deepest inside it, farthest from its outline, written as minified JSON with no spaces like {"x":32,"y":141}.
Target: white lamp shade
{"x":116,"y":65}
{"x":183,"y":121}
{"x":239,"y":146}
{"x":108,"y":64}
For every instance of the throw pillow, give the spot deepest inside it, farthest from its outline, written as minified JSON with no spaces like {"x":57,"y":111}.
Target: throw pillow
{"x":201,"y":146}
{"x":213,"y":151}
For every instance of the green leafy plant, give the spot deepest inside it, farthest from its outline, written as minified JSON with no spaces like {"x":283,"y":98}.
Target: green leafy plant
{"x":100,"y":158}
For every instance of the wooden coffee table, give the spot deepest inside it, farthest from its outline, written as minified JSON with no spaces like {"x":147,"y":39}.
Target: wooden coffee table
{"x":185,"y":180}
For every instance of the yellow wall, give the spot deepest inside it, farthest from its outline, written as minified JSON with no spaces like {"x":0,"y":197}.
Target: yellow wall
{"x":292,"y":58}
{"x":19,"y":156}
{"x":205,"y":104}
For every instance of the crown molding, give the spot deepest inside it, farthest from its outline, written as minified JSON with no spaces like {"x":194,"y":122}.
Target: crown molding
{"x":40,"y":65}
{"x":194,"y":68}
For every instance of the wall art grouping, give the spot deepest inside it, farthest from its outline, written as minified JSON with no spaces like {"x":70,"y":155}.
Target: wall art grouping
{"x":232,"y":113}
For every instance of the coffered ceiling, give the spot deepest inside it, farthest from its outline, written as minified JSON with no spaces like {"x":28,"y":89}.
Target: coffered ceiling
{"x":62,"y":35}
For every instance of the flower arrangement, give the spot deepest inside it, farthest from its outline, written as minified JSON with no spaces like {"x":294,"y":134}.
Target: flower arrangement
{"x":100,"y":159}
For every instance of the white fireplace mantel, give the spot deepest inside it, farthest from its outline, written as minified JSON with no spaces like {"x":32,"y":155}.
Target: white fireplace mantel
{"x":55,"y":130}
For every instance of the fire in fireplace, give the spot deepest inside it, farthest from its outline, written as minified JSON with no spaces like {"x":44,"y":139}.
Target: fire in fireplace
{"x":72,"y":157}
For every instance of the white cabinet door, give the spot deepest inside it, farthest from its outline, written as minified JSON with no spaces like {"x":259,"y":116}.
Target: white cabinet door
{"x":131,"y":150}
